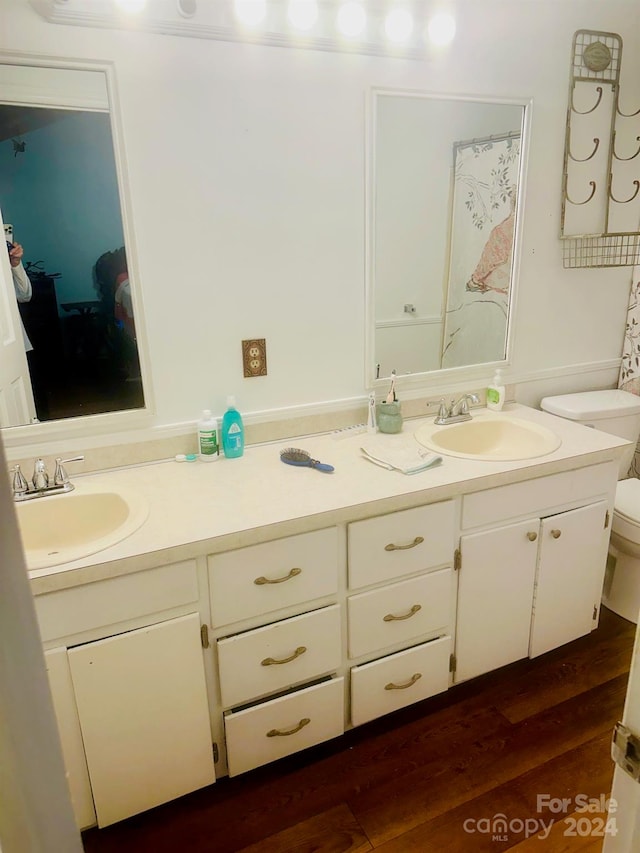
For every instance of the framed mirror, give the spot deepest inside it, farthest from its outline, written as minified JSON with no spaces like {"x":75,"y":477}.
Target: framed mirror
{"x":60,"y":202}
{"x":445,"y":184}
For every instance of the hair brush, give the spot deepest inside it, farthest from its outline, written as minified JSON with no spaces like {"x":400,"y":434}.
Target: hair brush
{"x":294,"y":456}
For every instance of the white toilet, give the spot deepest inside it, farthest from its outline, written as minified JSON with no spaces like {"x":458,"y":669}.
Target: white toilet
{"x":616,"y":412}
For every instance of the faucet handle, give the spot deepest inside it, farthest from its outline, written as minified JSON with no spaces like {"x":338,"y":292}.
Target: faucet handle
{"x":40,"y":477}
{"x":61,"y":478}
{"x":443,"y":411}
{"x":20,"y":485}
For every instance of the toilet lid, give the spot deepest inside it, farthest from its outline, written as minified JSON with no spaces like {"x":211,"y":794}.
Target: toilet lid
{"x":627,"y":502}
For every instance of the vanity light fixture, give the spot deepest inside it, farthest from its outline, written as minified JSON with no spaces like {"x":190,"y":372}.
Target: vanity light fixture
{"x":398,"y":25}
{"x":187,"y":8}
{"x":351,"y":19}
{"x":370,"y":27}
{"x":250,"y":13}
{"x":441,"y":29}
{"x":302,"y":14}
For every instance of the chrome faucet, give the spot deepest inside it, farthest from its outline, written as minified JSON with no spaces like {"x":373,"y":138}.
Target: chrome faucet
{"x":457,"y":411}
{"x":41,"y":485}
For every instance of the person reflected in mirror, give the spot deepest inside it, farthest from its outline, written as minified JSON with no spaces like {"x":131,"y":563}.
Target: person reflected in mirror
{"x":113,"y":285}
{"x":24,"y":292}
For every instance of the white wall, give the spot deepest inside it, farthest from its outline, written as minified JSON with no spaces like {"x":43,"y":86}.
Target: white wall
{"x":246,"y":170}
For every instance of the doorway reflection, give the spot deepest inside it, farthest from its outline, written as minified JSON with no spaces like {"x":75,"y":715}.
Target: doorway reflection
{"x":60,"y":194}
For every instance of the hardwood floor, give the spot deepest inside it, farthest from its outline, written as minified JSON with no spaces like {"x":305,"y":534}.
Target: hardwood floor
{"x":430,"y":778}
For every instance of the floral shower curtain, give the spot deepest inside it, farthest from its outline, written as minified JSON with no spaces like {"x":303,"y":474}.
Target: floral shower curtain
{"x":482,"y":227}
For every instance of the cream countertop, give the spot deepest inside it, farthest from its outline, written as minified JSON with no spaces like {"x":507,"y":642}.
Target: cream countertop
{"x":197,"y":508}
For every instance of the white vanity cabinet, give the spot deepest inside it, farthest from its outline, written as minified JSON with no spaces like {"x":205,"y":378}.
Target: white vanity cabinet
{"x":280,"y":688}
{"x":416,"y":613}
{"x":530,"y":586}
{"x":129,"y":690}
{"x":140,"y":701}
{"x":495,"y":595}
{"x":571,"y":563}
{"x":144,"y":716}
{"x":246,"y":655}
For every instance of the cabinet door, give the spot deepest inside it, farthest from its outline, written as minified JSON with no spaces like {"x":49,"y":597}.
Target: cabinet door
{"x":66,"y":711}
{"x":144,"y":717}
{"x":495,"y":595}
{"x":573,"y":554}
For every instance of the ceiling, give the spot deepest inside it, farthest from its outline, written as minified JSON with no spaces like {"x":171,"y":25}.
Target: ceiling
{"x":16,"y":121}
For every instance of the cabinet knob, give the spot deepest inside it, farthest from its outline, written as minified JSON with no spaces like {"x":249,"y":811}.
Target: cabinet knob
{"x":556,"y":534}
{"x":532,"y":536}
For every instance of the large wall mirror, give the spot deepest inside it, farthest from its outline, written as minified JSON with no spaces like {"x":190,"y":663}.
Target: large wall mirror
{"x":444,"y":189}
{"x":59,"y":199}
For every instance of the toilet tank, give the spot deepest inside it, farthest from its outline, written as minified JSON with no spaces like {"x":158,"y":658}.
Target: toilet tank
{"x":614,"y":411}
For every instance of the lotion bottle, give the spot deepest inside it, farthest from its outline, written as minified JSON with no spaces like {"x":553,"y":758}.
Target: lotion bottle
{"x":495,"y":393}
{"x":232,"y":431}
{"x":208,"y":448}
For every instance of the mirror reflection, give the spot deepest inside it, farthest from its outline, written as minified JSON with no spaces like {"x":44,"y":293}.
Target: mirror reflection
{"x":445,"y":176}
{"x":61,"y":211}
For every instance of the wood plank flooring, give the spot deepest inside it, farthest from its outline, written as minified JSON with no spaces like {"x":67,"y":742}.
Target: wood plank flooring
{"x":434,"y":777}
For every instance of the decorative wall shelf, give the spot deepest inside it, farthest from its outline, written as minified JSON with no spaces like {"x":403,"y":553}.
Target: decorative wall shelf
{"x":600,"y":221}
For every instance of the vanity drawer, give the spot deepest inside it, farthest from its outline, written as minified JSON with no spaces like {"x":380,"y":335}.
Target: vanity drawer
{"x":401,"y":543}
{"x":395,"y":614}
{"x":269,"y":659}
{"x":404,"y":678}
{"x":267,"y":577}
{"x":284,"y":725}
{"x":102,"y":603}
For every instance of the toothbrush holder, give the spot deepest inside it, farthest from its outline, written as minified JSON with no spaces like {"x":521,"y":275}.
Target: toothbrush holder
{"x":389,"y":417}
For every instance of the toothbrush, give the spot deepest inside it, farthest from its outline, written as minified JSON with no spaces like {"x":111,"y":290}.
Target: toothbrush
{"x":371,"y":422}
{"x":391,"y":396}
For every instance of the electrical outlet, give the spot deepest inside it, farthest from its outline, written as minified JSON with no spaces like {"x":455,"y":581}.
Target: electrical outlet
{"x":254,"y":357}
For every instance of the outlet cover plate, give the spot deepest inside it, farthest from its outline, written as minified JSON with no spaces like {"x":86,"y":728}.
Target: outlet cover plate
{"x":254,"y":357}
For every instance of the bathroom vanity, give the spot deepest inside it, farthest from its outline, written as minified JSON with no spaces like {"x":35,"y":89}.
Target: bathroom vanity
{"x":263,"y":608}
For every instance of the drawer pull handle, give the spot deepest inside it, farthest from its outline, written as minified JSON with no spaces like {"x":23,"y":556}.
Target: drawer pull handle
{"x":391,"y":618}
{"x":278,"y":733}
{"x":271,"y":661}
{"x":532,"y":536}
{"x":556,"y":534}
{"x":417,"y":541}
{"x":410,"y":683}
{"x":292,"y":574}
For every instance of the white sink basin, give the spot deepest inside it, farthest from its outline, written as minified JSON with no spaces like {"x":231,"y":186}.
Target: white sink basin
{"x":490,"y":436}
{"x":60,"y":528}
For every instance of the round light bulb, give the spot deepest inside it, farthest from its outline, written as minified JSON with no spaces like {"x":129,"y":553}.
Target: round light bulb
{"x":441,"y":28}
{"x":302,"y":14}
{"x":351,"y":19}
{"x":398,"y":25}
{"x":251,"y":12}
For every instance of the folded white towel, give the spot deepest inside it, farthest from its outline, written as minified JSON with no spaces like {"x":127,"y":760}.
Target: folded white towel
{"x":408,"y":460}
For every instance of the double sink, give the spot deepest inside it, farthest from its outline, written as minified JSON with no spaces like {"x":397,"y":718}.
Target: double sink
{"x":61,"y":528}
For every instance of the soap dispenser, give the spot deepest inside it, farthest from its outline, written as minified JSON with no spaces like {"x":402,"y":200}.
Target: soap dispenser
{"x":495,"y":392}
{"x":232,"y":431}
